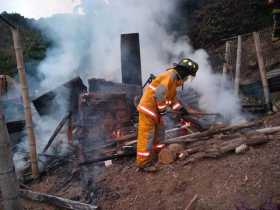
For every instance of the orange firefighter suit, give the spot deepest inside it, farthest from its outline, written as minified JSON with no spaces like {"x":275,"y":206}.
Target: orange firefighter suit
{"x":158,"y":96}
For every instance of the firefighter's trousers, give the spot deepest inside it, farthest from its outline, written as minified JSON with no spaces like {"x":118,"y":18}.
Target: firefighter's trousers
{"x":150,"y":136}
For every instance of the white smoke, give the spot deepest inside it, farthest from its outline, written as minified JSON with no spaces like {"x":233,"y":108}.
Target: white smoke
{"x":89,"y":45}
{"x":216,"y":97}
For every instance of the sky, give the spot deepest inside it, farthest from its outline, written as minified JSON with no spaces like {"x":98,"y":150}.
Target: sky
{"x":38,"y":8}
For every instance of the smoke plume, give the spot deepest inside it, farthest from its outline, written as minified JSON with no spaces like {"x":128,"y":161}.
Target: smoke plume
{"x":88,"y":44}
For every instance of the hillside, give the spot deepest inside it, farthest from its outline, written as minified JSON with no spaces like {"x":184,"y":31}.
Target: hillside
{"x":205,"y":21}
{"x":209,"y":21}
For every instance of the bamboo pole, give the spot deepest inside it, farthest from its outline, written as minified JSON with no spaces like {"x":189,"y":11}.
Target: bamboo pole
{"x":26,"y":102}
{"x":262,"y":70}
{"x":8,"y":181}
{"x":238,"y":65}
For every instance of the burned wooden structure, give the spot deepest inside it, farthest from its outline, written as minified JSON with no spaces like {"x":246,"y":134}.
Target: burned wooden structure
{"x":101,"y":85}
{"x":68,"y":92}
{"x":103,"y":117}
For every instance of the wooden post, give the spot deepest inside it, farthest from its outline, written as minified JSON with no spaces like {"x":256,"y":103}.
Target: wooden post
{"x":238,"y":65}
{"x":26,"y":102}
{"x":226,"y":64}
{"x":8,"y":181}
{"x":262,"y":70}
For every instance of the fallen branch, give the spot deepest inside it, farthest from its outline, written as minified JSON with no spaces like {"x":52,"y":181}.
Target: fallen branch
{"x":55,"y":200}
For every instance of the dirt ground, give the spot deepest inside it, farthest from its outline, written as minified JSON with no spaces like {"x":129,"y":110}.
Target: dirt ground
{"x":252,"y":179}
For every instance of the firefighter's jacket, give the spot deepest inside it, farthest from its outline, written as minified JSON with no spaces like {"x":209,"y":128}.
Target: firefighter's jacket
{"x":160,"y":94}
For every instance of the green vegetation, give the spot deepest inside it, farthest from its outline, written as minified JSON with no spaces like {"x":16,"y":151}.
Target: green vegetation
{"x":208,"y":21}
{"x":34,"y":44}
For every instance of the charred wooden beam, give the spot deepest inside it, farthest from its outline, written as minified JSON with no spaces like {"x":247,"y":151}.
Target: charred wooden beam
{"x":56,"y":131}
{"x":105,"y":87}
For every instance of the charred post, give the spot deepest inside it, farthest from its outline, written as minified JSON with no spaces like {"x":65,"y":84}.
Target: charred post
{"x":8,"y":180}
{"x":130,"y":59}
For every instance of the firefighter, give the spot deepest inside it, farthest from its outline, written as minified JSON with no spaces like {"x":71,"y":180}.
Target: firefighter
{"x":159,"y":96}
{"x":276,"y":19}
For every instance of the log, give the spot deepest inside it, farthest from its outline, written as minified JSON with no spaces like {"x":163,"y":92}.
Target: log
{"x":218,"y":150}
{"x":170,"y":153}
{"x":55,"y":200}
{"x":209,"y":133}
